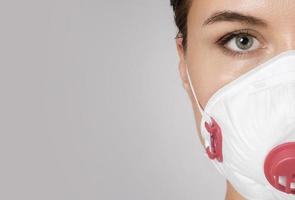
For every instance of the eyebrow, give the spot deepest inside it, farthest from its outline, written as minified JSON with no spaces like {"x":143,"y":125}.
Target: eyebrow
{"x":234,"y":17}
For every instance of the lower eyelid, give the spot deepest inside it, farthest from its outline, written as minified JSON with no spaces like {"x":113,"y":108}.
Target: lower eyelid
{"x":237,"y":54}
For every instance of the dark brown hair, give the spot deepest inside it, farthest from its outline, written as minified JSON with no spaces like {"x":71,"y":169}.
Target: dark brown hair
{"x":181,"y":9}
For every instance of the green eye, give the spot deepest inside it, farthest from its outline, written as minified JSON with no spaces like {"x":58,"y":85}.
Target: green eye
{"x":240,"y":42}
{"x":244,"y":41}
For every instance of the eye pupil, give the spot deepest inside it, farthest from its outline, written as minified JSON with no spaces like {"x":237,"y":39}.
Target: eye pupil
{"x":244,"y":42}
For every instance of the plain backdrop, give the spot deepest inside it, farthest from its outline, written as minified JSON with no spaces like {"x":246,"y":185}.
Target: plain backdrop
{"x":92,"y":105}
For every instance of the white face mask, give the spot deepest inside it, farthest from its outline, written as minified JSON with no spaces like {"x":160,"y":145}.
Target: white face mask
{"x":251,"y":121}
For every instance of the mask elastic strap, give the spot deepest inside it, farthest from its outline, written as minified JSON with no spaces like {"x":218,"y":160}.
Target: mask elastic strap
{"x":195,"y":97}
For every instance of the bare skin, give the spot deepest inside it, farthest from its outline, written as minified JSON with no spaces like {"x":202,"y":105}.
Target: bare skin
{"x":212,"y":65}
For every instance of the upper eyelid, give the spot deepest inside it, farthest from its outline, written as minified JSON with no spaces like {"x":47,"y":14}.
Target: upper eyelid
{"x":233,"y":34}
{"x":250,"y":32}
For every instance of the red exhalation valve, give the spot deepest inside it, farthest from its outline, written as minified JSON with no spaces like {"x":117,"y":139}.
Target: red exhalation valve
{"x":215,"y":149}
{"x":279,"y":167}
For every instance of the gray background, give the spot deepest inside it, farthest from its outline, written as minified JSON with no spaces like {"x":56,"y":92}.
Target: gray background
{"x":92,"y":106}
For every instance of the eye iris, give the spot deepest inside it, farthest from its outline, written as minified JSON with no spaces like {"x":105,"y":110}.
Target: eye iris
{"x":244,"y":42}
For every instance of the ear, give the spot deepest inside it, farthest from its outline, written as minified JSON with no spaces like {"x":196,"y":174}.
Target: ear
{"x":186,"y":85}
{"x":182,"y":66}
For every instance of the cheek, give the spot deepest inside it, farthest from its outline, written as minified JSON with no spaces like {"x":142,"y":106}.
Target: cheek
{"x":210,"y":72}
{"x":212,"y":69}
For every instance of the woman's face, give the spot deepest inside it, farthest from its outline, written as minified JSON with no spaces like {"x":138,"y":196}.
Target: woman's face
{"x":227,"y":38}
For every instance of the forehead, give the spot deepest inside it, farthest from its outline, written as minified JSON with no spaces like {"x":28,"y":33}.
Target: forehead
{"x":274,"y":12}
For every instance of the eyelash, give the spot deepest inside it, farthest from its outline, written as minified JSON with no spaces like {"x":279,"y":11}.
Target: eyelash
{"x":227,"y":37}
